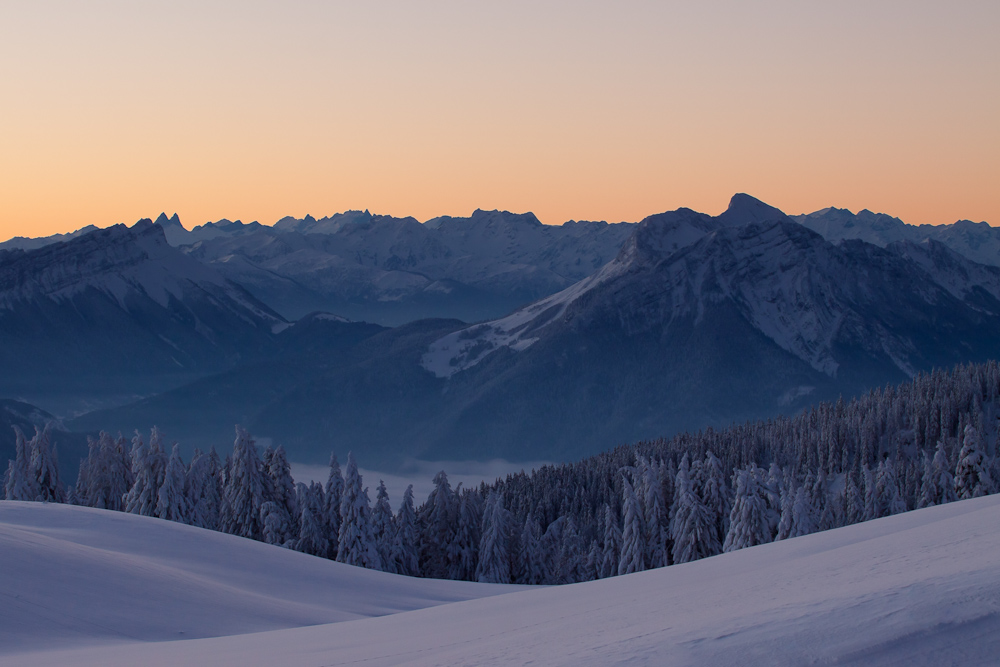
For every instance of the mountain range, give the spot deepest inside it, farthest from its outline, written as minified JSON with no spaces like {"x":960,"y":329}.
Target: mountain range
{"x":696,"y":320}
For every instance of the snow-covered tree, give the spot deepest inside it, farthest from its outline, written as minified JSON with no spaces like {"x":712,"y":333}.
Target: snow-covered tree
{"x":693,"y":529}
{"x":405,"y":548}
{"x":332,"y":498}
{"x":633,"y":556}
{"x":463,"y":552}
{"x":438,"y":519}
{"x":715,"y":495}
{"x":171,"y":503}
{"x":44,"y":468}
{"x":748,"y":521}
{"x":383,"y":528}
{"x":244,"y":492}
{"x":274,"y":522}
{"x":202,"y":492}
{"x":532,"y":566}
{"x":654,"y":511}
{"x":20,"y":483}
{"x":803,"y":514}
{"x":357,"y":541}
{"x":612,"y":547}
{"x":888,"y":500}
{"x":312,"y":533}
{"x":279,"y":473}
{"x":141,"y":498}
{"x":972,"y":477}
{"x":494,"y":551}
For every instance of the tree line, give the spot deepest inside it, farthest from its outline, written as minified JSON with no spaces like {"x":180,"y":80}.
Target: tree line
{"x":926,"y":442}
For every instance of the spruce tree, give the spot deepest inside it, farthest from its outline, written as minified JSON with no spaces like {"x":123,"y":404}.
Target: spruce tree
{"x":383,"y":528}
{"x":692,"y":528}
{"x":532,"y":566}
{"x":20,"y":484}
{"x":633,"y":539}
{"x":357,"y":541}
{"x":438,"y":519}
{"x":331,"y":515}
{"x":612,"y":548}
{"x":405,"y":548}
{"x":748,"y":521}
{"x":244,"y":492}
{"x":494,"y":553}
{"x":171,"y":504}
{"x":972,"y":477}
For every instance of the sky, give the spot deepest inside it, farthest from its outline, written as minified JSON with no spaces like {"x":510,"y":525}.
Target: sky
{"x":114,"y":111}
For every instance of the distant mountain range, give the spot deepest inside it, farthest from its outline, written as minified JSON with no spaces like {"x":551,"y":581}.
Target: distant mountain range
{"x":694,"y":320}
{"x":116,"y":313}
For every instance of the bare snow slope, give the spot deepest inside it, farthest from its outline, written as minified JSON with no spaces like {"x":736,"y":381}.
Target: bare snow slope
{"x":921,"y":588}
{"x":76,"y":576}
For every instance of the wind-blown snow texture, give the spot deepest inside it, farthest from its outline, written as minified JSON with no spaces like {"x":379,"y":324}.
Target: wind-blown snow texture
{"x":920,"y":588}
{"x":74,"y":576}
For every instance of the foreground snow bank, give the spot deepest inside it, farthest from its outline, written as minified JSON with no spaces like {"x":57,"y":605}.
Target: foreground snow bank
{"x":72,"y":576}
{"x":916,"y":588}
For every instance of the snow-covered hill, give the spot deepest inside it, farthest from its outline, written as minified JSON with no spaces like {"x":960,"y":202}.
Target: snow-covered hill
{"x":75,"y":576}
{"x":919,"y":588}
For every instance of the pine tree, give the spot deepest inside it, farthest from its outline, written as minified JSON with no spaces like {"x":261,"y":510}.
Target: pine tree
{"x":871,"y":509}
{"x":715,"y":496}
{"x":654,"y":511}
{"x":20,"y":484}
{"x":274,"y":522}
{"x":333,"y":496}
{"x":142,"y":497}
{"x":787,"y":508}
{"x":244,"y":491}
{"x":44,"y":468}
{"x":532,"y":565}
{"x":803,"y":514}
{"x":171,"y":503}
{"x":494,"y":554}
{"x":405,"y":549}
{"x":612,"y":548}
{"x":438,"y":519}
{"x":693,"y":528}
{"x":633,"y":541}
{"x":280,"y":474}
{"x":972,"y":477}
{"x":202,"y":492}
{"x":312,"y":536}
{"x":357,"y":541}
{"x":463,"y":552}
{"x":383,"y":528}
{"x":888,"y":499}
{"x":748,"y":521}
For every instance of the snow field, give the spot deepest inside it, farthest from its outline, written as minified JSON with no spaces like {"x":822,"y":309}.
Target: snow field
{"x":920,"y":588}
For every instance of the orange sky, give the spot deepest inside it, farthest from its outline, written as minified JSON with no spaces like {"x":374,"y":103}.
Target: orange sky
{"x":113,"y":111}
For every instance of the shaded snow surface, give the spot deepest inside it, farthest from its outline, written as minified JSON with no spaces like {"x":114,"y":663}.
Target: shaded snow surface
{"x":918,"y":588}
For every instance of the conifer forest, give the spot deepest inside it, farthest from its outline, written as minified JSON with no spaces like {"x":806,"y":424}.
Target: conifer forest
{"x":926,"y":442}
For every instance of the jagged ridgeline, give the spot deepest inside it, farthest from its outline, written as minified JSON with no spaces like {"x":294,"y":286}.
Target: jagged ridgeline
{"x":929,"y":441}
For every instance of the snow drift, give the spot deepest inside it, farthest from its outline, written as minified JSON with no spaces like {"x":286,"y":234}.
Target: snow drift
{"x":916,"y":588}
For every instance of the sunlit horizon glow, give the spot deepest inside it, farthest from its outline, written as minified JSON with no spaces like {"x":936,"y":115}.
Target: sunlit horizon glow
{"x":115,"y":111}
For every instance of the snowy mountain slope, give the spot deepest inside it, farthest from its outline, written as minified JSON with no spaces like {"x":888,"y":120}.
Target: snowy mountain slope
{"x":976,"y":241}
{"x":25,"y":243}
{"x":75,"y":576}
{"x":393,"y":270}
{"x":811,"y":298}
{"x":698,"y":321}
{"x":120,"y":303}
{"x":919,"y":588}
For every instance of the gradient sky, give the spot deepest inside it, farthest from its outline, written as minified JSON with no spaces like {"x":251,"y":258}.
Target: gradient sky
{"x":112,"y":111}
